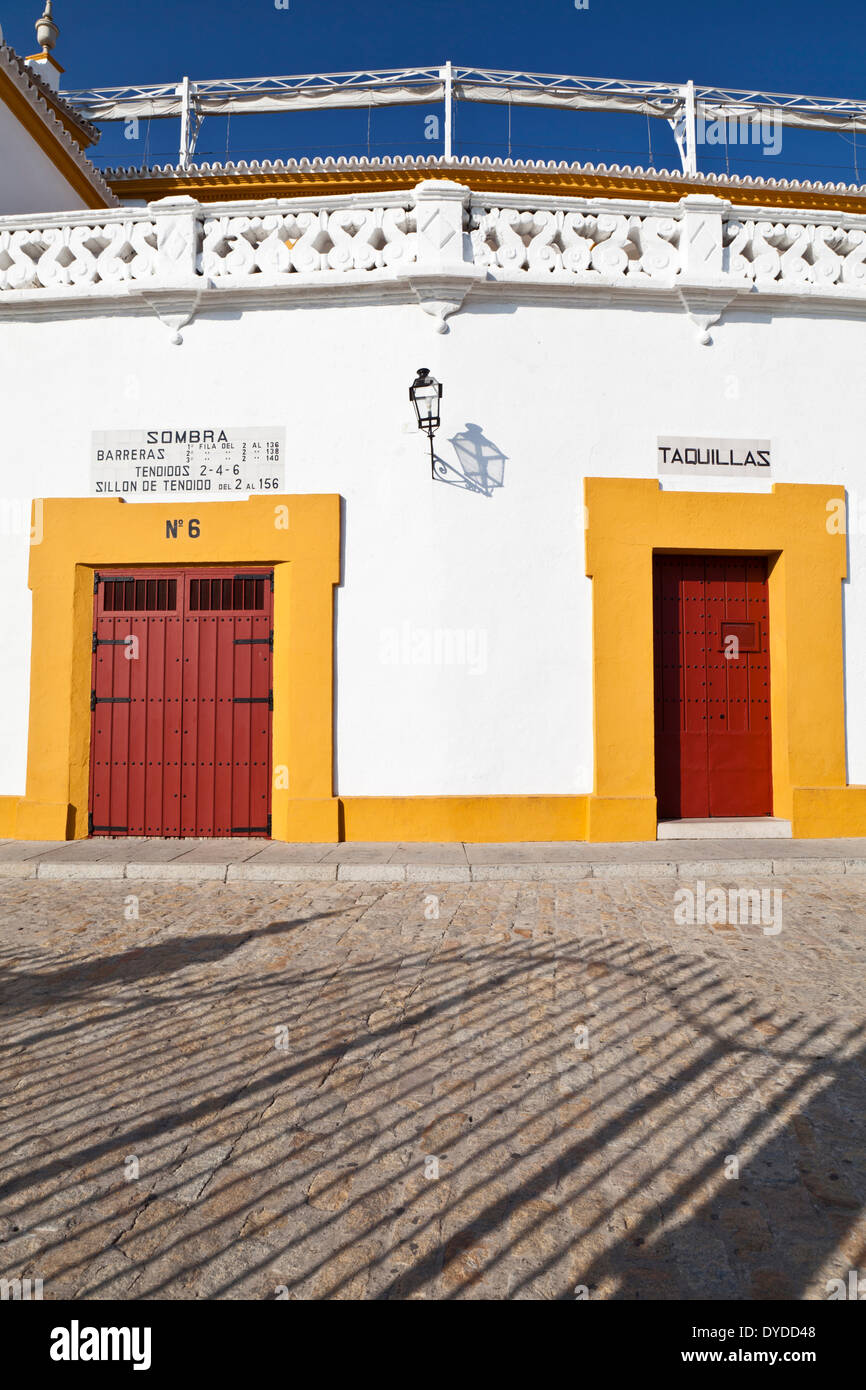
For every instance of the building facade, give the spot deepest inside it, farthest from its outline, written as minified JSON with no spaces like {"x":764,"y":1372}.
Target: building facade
{"x":629,"y":588}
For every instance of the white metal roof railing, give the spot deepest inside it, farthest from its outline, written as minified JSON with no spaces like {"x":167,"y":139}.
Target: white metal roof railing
{"x":238,"y":86}
{"x":680,"y":104}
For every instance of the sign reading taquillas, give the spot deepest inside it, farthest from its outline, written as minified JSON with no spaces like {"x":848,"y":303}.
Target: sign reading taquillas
{"x":731,"y":457}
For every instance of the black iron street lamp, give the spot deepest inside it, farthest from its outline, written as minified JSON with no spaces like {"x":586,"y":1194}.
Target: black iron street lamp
{"x":425,"y":393}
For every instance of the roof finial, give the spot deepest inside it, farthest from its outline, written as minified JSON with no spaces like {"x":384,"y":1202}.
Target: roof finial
{"x":46,"y":29}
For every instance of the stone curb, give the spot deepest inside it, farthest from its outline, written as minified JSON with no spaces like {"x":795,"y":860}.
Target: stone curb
{"x":659,"y":869}
{"x":281,"y":873}
{"x":485,"y":873}
{"x":177,"y":873}
{"x":726,"y":868}
{"x":820,"y":866}
{"x":371,"y":873}
{"x":239,"y":873}
{"x":79,"y":872}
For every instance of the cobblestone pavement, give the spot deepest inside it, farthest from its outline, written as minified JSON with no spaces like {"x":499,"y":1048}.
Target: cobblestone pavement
{"x":498,"y":1090}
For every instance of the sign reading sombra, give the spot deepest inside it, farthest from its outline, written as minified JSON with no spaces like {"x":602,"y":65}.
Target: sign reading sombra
{"x":190,"y":461}
{"x":749,"y":458}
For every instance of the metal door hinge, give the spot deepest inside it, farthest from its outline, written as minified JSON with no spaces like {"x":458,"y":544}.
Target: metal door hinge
{"x":108,"y":699}
{"x":255,"y":700}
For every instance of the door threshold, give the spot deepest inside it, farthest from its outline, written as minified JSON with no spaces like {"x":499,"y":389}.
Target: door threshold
{"x":725,"y":828}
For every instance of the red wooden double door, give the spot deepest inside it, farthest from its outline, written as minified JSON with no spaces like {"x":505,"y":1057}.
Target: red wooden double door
{"x":712,"y":686}
{"x":181,"y":701}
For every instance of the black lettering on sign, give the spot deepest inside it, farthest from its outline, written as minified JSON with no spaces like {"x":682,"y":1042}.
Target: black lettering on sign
{"x":194,"y":528}
{"x":171,"y":529}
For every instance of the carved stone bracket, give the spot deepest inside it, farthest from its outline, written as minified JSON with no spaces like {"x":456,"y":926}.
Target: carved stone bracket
{"x":175,"y":307}
{"x":441,"y":293}
{"x":705,"y":307}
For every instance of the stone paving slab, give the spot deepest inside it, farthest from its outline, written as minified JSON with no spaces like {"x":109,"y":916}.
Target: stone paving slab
{"x":274,"y":851}
{"x":450,"y":852}
{"x":116,"y":851}
{"x":234,"y":851}
{"x":13,"y":851}
{"x":492,"y":1090}
{"x":360,"y":852}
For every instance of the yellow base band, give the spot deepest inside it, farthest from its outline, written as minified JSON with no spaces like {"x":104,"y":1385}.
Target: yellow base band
{"x":621,"y":818}
{"x":310,"y":822}
{"x":8,"y":816}
{"x":47,"y":820}
{"x":828,"y":813}
{"x":476,"y":819}
{"x":831,"y":813}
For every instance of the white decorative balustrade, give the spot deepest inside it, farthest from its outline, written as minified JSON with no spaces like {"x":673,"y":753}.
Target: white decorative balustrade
{"x":68,"y":255}
{"x":636,"y":245}
{"x":795,"y":253}
{"x":440,"y":242}
{"x":350,"y":238}
{"x":579,"y":243}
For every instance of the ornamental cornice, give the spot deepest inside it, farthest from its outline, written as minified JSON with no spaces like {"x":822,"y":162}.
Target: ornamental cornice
{"x":538,"y":178}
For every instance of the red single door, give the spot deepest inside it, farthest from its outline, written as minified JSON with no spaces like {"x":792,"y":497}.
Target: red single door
{"x":181,"y":700}
{"x":712,"y":686}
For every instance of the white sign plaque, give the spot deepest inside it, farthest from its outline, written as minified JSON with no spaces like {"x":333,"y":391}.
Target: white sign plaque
{"x":199,"y":461}
{"x":741,"y":458}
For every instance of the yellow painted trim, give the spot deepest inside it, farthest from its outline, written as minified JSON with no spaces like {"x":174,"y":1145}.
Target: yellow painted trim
{"x":287,"y":183}
{"x":614,"y":818}
{"x":50,"y":144}
{"x":43,"y":56}
{"x":80,"y":535}
{"x":8,"y":816}
{"x":627,"y":520}
{"x":477,"y":819}
{"x":829,"y":812}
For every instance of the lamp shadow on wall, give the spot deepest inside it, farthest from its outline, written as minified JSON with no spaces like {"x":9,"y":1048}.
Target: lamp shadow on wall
{"x":478,"y":466}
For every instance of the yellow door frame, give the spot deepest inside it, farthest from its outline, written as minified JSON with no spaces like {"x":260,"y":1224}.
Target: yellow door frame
{"x":299,"y":536}
{"x":627,"y":520}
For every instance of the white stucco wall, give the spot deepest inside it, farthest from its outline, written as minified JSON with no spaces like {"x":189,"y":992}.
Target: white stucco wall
{"x":562,"y":391}
{"x":29,"y":182}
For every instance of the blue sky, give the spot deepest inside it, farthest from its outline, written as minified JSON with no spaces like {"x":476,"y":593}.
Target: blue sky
{"x":791,"y":47}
